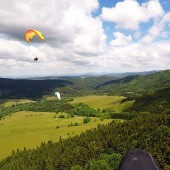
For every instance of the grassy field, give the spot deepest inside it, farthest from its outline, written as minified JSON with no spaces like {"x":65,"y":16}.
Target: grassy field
{"x":29,"y":129}
{"x":10,"y":102}
{"x":104,"y":102}
{"x":50,"y":97}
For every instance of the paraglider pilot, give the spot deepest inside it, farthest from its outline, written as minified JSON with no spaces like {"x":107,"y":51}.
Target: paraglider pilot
{"x":35,"y":59}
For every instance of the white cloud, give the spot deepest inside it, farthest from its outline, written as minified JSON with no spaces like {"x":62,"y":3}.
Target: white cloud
{"x":121,"y":39}
{"x":129,"y":13}
{"x":129,"y":57}
{"x":69,"y":30}
{"x":157,"y":30}
{"x":139,"y":57}
{"x":75,"y":41}
{"x":61,"y":21}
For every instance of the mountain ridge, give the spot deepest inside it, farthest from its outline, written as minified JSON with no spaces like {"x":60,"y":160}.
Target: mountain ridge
{"x":133,"y":85}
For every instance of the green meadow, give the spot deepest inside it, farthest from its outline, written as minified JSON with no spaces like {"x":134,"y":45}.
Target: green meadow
{"x":10,"y":102}
{"x":29,"y":129}
{"x":104,"y":102}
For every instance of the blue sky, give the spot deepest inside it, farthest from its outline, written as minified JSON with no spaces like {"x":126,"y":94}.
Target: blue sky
{"x":109,"y":27}
{"x":84,"y":36}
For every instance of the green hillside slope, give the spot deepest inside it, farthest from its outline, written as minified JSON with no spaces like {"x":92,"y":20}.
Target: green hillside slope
{"x":140,"y":85}
{"x":157,"y":102}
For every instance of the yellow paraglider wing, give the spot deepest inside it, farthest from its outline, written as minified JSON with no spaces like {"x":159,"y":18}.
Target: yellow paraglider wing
{"x":31,"y":33}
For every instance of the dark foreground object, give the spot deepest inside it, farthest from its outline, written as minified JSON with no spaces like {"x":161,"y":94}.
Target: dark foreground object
{"x":137,"y":159}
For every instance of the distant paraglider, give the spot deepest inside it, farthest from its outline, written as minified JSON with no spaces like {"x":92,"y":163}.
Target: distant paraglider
{"x":29,"y":35}
{"x":58,"y":95}
{"x":35,"y":59}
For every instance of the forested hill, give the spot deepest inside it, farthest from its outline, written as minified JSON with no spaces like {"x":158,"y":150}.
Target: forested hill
{"x":21,"y":88}
{"x":118,"y":81}
{"x":139,"y":85}
{"x":134,"y":85}
{"x":80,"y":83}
{"x":158,"y":101}
{"x":25,"y":88}
{"x":100,"y":148}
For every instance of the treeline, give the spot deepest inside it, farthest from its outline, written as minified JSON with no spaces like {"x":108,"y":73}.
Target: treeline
{"x":79,"y":109}
{"x":128,"y":115}
{"x":157,"y":102}
{"x":82,"y":109}
{"x":4,"y":111}
{"x":142,"y":107}
{"x":100,"y":148}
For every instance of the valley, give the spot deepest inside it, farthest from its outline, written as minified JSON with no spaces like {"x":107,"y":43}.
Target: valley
{"x":104,"y":115}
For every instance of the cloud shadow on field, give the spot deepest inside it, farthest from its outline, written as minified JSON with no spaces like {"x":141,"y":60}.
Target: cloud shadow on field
{"x":23,"y":88}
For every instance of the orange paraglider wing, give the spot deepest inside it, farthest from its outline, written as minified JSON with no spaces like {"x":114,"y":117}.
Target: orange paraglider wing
{"x":31,"y":33}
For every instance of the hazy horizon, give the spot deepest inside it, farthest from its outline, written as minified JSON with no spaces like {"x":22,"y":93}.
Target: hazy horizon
{"x":85,"y":74}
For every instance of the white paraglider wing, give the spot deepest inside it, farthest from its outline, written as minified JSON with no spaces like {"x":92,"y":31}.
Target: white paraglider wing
{"x":58,"y":95}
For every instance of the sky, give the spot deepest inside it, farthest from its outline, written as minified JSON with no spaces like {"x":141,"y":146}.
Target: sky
{"x":84,"y":36}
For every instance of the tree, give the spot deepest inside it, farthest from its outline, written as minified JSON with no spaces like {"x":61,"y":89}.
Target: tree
{"x":86,"y":120}
{"x":97,"y":164}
